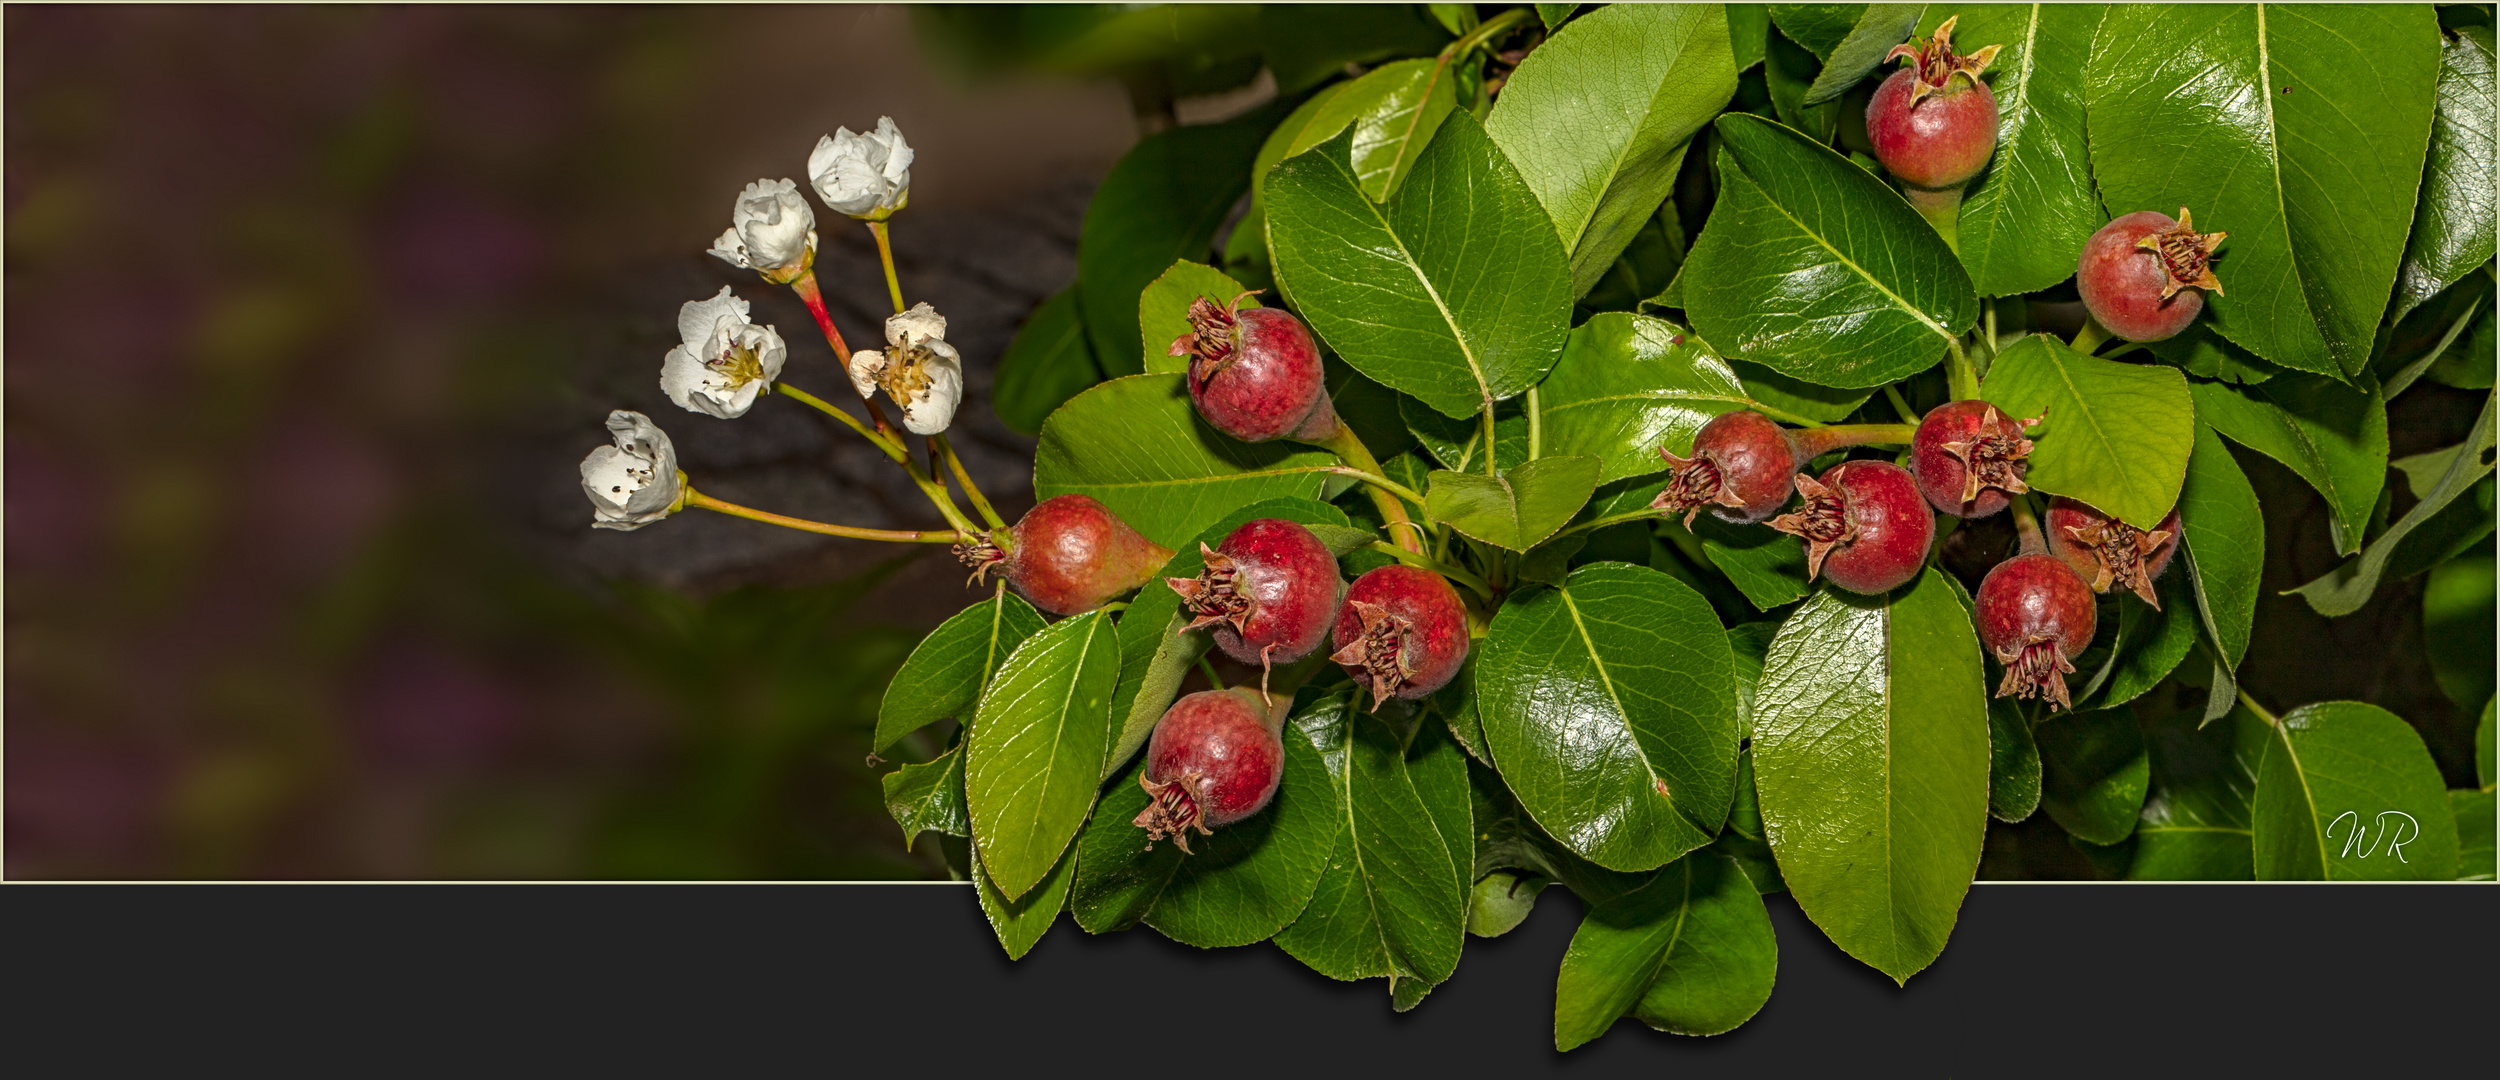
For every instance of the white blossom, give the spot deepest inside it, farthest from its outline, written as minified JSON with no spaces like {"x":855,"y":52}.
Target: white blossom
{"x":918,"y":369}
{"x":634,"y":482}
{"x":725,"y":360}
{"x":771,"y":231}
{"x":866,"y":176}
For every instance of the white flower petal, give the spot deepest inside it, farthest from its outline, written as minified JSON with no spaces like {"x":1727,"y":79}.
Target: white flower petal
{"x":776,"y":226}
{"x":920,"y":325}
{"x":866,"y":365}
{"x":684,"y":377}
{"x":696,"y":319}
{"x":731,"y":250}
{"x":634,"y":482}
{"x":932,"y":409}
{"x":862,"y":175}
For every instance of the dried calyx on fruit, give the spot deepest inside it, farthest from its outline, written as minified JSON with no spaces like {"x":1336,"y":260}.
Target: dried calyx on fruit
{"x":1933,"y":123}
{"x":1215,"y":758}
{"x":1255,"y":373}
{"x":2035,"y":615}
{"x":1866,"y":528}
{"x":1068,"y":555}
{"x":1401,"y":633}
{"x":1270,"y":590}
{"x":2109,"y":552}
{"x":2143,"y":276}
{"x":1969,"y":457}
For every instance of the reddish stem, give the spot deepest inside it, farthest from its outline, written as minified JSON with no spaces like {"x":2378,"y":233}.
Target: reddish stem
{"x":1815,"y":442}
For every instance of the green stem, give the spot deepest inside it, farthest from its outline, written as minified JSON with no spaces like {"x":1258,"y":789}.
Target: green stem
{"x":1942,"y":209}
{"x":1992,"y":328}
{"x":1900,"y":404}
{"x":885,"y":254}
{"x":2090,"y":336}
{"x":1420,"y":562}
{"x":814,"y":298}
{"x":963,"y":479}
{"x":1349,"y":447}
{"x":2122,"y":350}
{"x":1208,"y":666}
{"x":1486,"y":31}
{"x":2270,"y":719}
{"x":1963,"y":377}
{"x":849,"y":421}
{"x":929,"y":536}
{"x":1783,"y":415}
{"x":1536,"y":425}
{"x":2027,"y":528}
{"x":1489,"y":464}
{"x":1610,"y":519}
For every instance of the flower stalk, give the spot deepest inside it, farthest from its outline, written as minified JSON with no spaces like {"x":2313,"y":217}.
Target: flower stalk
{"x":900,"y":536}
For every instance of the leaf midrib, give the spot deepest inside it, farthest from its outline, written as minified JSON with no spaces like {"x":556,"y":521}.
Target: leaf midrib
{"x":1656,"y":782}
{"x":1861,"y":272}
{"x":1484,"y":387}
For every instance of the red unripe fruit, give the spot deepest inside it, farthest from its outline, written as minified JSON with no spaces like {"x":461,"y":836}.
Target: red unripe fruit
{"x":2108,"y":552}
{"x":1933,"y":123}
{"x":1741,"y":465}
{"x":1865,"y":526}
{"x":1255,"y":374}
{"x":1270,"y":590}
{"x":2143,"y":275}
{"x":1969,"y":458}
{"x":1401,"y":633}
{"x":2035,"y":616}
{"x":1215,"y":758}
{"x":1070,"y":555}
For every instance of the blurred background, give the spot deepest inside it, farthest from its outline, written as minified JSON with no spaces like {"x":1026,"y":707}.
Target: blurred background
{"x":312,"y":312}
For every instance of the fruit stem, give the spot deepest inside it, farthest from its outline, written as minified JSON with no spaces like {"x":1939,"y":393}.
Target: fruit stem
{"x":1992,"y":328}
{"x":1536,"y":425}
{"x":1484,"y":32}
{"x":2122,"y":350}
{"x":849,"y":421}
{"x":1419,"y":562}
{"x":885,"y":254}
{"x":1490,"y":466}
{"x":1943,"y":210}
{"x":2270,"y":719}
{"x":1963,"y":377}
{"x":1208,"y":666}
{"x":936,"y":492}
{"x":1816,"y":442}
{"x":2028,"y":528}
{"x":955,"y":465}
{"x":1900,"y":405}
{"x":2090,"y":336}
{"x":1349,"y":447}
{"x":927,"y":536}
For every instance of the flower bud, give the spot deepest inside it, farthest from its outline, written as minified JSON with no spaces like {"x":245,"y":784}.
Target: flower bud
{"x":634,"y":482}
{"x":918,"y":369}
{"x":771,"y":232}
{"x":866,"y":176}
{"x":725,"y":360}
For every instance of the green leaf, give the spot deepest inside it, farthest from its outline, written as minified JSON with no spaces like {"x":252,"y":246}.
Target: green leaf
{"x":2116,"y":435}
{"x":1020,"y":922}
{"x":1518,"y":509}
{"x":1552,"y":15}
{"x":2195,"y":823}
{"x":1788,"y":71}
{"x":1035,"y":750}
{"x":1163,"y":201}
{"x":2484,"y":771}
{"x":1862,"y":49}
{"x":1748,"y":27}
{"x":1392,"y":901}
{"x":1435,"y":293}
{"x":2094,"y":771}
{"x":2334,"y":436}
{"x":2315,"y":185}
{"x":1049,"y":362}
{"x":2013,"y":763}
{"x":928,"y":797}
{"x":1308,"y":43}
{"x":1456,"y":18}
{"x":1822,"y":404}
{"x":1750,"y":641}
{"x":1163,"y":310}
{"x":1139,"y":446}
{"x":2343,"y":590}
{"x":2347,"y":792}
{"x":2151,"y":641}
{"x":943,"y":678}
{"x":1459,"y":444}
{"x":2457,"y":626}
{"x":2024,"y":221}
{"x":1819,"y":27}
{"x":1629,"y":385}
{"x":1394,"y":111}
{"x":2475,"y":818}
{"x":1691,"y":952}
{"x":1647,"y":264}
{"x":1871,"y":758}
{"x":1597,"y":119}
{"x":2199,"y":351}
{"x":1239,"y":886}
{"x":1146,"y":32}
{"x":1501,"y":900}
{"x":1609,"y":707}
{"x":1812,"y":267}
{"x":2453,"y":221}
{"x":2223,"y":542}
{"x":1766,"y":565}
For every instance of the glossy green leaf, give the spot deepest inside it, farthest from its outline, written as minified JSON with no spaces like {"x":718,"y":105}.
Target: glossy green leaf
{"x":1049,"y":362}
{"x":1139,"y":446}
{"x":1241,"y":885}
{"x":1750,"y":641}
{"x":2115,"y":435}
{"x":1392,"y":901}
{"x":2093,"y":773}
{"x":1767,"y":565}
{"x":1812,"y":267}
{"x":2343,"y":590}
{"x":1456,"y":705}
{"x":2475,"y":817}
{"x":1163,"y":201}
{"x":2334,"y":436}
{"x":2151,"y":641}
{"x":1137,"y":33}
{"x":1518,"y":509}
{"x":1020,"y":922}
{"x":2195,"y":823}
{"x":2223,"y":542}
{"x":2199,"y":351}
{"x":1647,"y":264}
{"x":1819,"y":27}
{"x":1435,"y":293}
{"x":2347,"y":792}
{"x":1394,"y":111}
{"x":1501,"y":900}
{"x":1691,"y":952}
{"x":1796,"y":397}
{"x":1788,"y":72}
{"x":1609,"y":707}
{"x":1862,"y":49}
{"x":1552,"y":15}
{"x":1456,"y":18}
{"x":1748,"y":26}
{"x":1629,"y":385}
{"x":1871,"y":759}
{"x":1035,"y":750}
{"x":1309,"y":43}
{"x":1163,"y":310}
{"x":943,"y":678}
{"x":2315,"y":185}
{"x":1459,"y":444}
{"x":928,"y":797}
{"x":2013,"y":762}
{"x":2485,"y":773}
{"x":1597,"y":119}
{"x":2458,"y":626}
{"x":2024,"y":221}
{"x":2453,"y":221}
